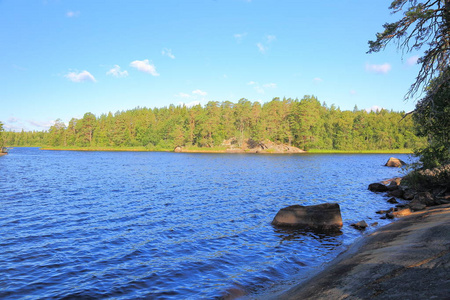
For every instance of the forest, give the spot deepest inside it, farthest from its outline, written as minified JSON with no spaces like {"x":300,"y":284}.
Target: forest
{"x":304,"y":123}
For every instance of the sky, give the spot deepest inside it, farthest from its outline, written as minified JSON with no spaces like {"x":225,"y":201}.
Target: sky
{"x":60,"y":59}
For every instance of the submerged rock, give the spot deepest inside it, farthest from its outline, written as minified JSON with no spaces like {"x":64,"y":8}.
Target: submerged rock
{"x":395,"y":162}
{"x":322,"y":217}
{"x":361,"y":225}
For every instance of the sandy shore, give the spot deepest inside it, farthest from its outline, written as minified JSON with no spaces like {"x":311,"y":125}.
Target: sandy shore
{"x":408,"y":259}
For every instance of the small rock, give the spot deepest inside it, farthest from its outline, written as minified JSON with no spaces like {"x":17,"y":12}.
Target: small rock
{"x":415,"y":205}
{"x":395,"y":163}
{"x":424,"y":198}
{"x":377,"y":187}
{"x":402,"y":212}
{"x":392,"y":200}
{"x":398,"y":193}
{"x":374,"y":224}
{"x":360,"y":225}
{"x":381,"y":212}
{"x":408,"y":195}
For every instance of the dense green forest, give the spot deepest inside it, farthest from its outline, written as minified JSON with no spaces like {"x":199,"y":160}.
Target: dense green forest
{"x":304,"y":123}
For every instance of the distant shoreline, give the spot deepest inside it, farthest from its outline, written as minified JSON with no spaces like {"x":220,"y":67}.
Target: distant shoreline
{"x":226,"y":151}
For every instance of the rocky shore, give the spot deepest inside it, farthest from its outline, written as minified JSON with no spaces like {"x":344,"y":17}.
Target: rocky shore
{"x":407,"y":259}
{"x":251,"y":146}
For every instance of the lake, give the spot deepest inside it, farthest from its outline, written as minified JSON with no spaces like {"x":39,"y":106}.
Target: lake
{"x":154,"y":225}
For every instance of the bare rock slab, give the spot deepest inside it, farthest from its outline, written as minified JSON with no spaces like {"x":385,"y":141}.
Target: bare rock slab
{"x":395,"y":162}
{"x":322,"y":217}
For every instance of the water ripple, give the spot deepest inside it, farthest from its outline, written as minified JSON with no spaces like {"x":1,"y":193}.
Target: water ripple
{"x":168,"y":226}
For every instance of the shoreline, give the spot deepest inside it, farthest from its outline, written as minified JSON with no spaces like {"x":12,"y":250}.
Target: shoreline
{"x":229,"y":151}
{"x":406,"y":259}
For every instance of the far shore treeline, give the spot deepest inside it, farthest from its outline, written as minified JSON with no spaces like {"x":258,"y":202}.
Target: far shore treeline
{"x":304,"y":123}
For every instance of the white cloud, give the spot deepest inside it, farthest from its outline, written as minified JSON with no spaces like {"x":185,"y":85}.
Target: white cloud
{"x":240,"y":36}
{"x":261,"y":89}
{"x":353,"y":92}
{"x":270,"y":85}
{"x":72,"y":14}
{"x":83,"y":76}
{"x":116,"y":72}
{"x":261,"y":48}
{"x":412,"y":60}
{"x":374,"y":108}
{"x":168,"y":52}
{"x":317,"y":80}
{"x":199,"y":92}
{"x":144,"y":66}
{"x":380,"y":69}
{"x":270,"y":38}
{"x":183,"y":95}
{"x":13,"y":120}
{"x":41,"y":124}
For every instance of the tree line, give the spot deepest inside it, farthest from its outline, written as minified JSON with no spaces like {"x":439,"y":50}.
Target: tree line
{"x":304,"y":123}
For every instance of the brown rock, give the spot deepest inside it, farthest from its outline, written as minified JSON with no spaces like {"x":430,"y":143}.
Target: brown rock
{"x":178,"y":149}
{"x":395,"y":162}
{"x":361,"y":225}
{"x":323,"y":217}
{"x":408,"y":195}
{"x":402,"y":213}
{"x":398,"y":193}
{"x":415,"y":205}
{"x":392,"y":200}
{"x":425,"y":198}
{"x":377,"y":187}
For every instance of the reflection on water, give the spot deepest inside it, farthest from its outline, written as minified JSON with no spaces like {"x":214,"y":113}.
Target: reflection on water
{"x":170,"y":226}
{"x":293,"y":234}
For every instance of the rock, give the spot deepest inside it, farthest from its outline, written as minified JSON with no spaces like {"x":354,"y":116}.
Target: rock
{"x":361,"y":225}
{"x":408,"y":194}
{"x":397,"y":193}
{"x":322,"y":217}
{"x":393,"y":181}
{"x":395,"y":162}
{"x":402,"y":212}
{"x":178,"y":149}
{"x":415,"y":205}
{"x":377,"y":187}
{"x":381,"y":212}
{"x":374,"y":224}
{"x":392,"y":200}
{"x":425,"y":198}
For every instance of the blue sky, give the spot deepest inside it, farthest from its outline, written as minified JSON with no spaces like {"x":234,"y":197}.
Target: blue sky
{"x":61,"y":59}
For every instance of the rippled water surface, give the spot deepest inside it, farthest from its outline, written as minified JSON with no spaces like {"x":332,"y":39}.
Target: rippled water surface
{"x":127,"y":225}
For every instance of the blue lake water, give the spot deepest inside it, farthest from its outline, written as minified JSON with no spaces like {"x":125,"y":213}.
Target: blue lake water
{"x":149,"y":225}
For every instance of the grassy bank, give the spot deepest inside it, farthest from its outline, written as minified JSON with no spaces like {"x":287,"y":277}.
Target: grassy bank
{"x":112,"y":149}
{"x":391,"y":151}
{"x":218,"y":150}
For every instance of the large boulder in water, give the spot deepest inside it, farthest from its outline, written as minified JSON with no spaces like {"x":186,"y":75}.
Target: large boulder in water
{"x":395,"y":162}
{"x":322,"y":217}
